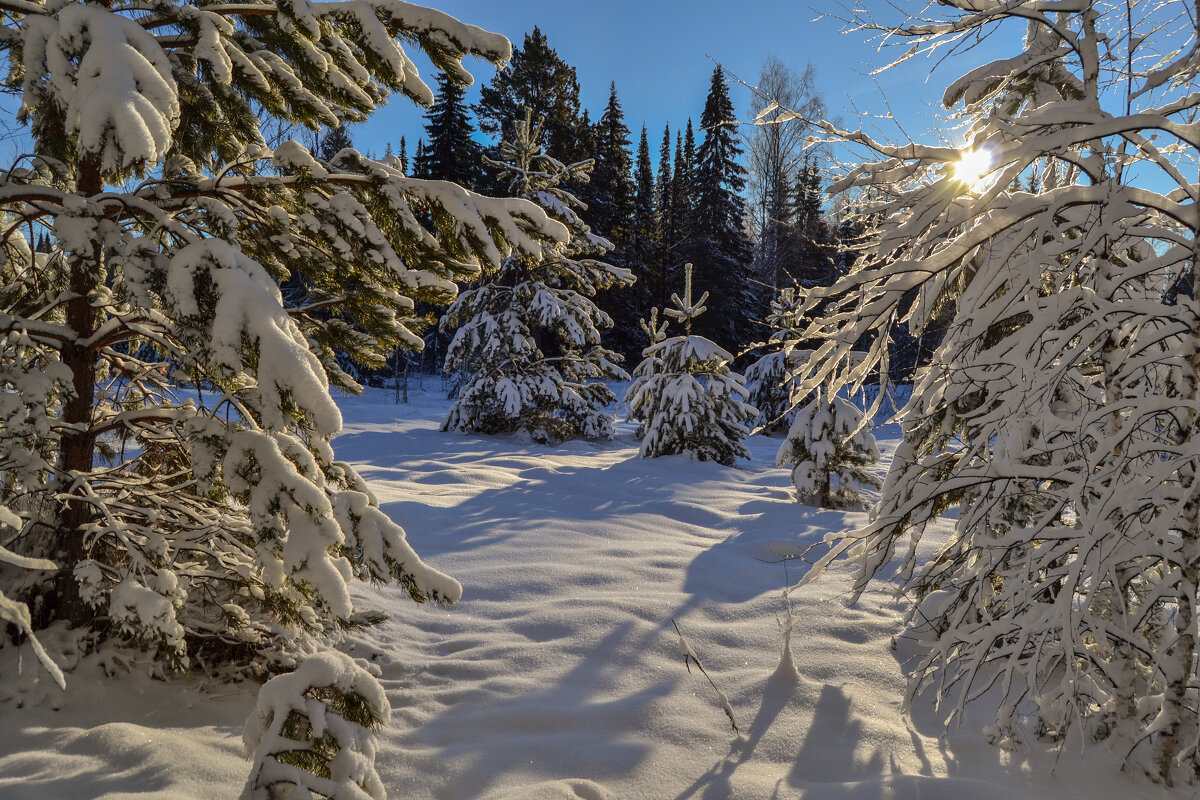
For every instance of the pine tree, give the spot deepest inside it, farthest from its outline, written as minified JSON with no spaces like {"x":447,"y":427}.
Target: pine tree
{"x":719,"y":239}
{"x":829,"y":448}
{"x":686,"y":399}
{"x":537,"y":79}
{"x":168,"y":418}
{"x":451,"y":154}
{"x":529,"y":337}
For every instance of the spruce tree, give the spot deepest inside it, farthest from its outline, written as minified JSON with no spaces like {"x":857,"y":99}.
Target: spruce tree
{"x":684,"y":186}
{"x":719,"y":239}
{"x":610,"y":195}
{"x":334,"y":141}
{"x":451,"y":153}
{"x":773,"y":380}
{"x":418,"y":160}
{"x":664,"y":204}
{"x":655,"y":332}
{"x":610,"y":199}
{"x":639,"y":256}
{"x":808,"y":259}
{"x":677,"y":238}
{"x":168,"y":417}
{"x":536,"y":78}
{"x":644,"y":231}
{"x":528,"y":337}
{"x":829,"y":448}
{"x":315,"y":729}
{"x":686,"y":399}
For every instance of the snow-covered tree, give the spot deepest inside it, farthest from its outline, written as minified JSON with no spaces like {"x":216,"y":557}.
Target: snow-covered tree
{"x":772,"y":379}
{"x":655,"y":332}
{"x":313,"y":729}
{"x":1059,"y":413}
{"x":830,"y":448}
{"x":686,"y":398}
{"x":166,"y":412}
{"x":529,"y":336}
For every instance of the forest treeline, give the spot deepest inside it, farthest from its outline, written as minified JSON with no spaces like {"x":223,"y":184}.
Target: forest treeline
{"x":743,"y":203}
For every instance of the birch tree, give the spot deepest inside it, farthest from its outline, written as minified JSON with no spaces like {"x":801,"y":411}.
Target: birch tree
{"x":1059,"y":414}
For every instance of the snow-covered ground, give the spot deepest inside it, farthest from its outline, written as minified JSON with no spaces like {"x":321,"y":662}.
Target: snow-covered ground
{"x":559,"y":675}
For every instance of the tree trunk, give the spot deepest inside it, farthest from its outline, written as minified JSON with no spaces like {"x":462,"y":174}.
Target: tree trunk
{"x":77,"y":445}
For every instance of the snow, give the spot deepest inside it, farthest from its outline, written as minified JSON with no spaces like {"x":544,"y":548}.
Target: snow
{"x":352,"y":769}
{"x":559,"y":675}
{"x":112,"y":78}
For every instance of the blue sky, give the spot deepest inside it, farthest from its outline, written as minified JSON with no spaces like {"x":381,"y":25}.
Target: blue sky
{"x":658,"y":53}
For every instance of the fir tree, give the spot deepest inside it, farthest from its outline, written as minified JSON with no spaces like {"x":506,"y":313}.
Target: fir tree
{"x":213,"y":521}
{"x":451,"y":154}
{"x":720,"y":242}
{"x":686,"y":399}
{"x":529,"y":337}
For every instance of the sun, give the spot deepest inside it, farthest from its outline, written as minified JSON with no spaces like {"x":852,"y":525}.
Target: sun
{"x":972,"y":165}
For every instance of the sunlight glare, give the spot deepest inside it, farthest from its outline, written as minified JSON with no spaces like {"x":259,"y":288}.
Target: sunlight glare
{"x":972,"y":165}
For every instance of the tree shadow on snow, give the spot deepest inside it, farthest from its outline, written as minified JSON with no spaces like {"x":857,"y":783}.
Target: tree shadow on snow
{"x":779,"y":546}
{"x":544,"y":491}
{"x":550,"y":732}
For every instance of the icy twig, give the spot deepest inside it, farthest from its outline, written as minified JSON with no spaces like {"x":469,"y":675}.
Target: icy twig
{"x":689,"y":656}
